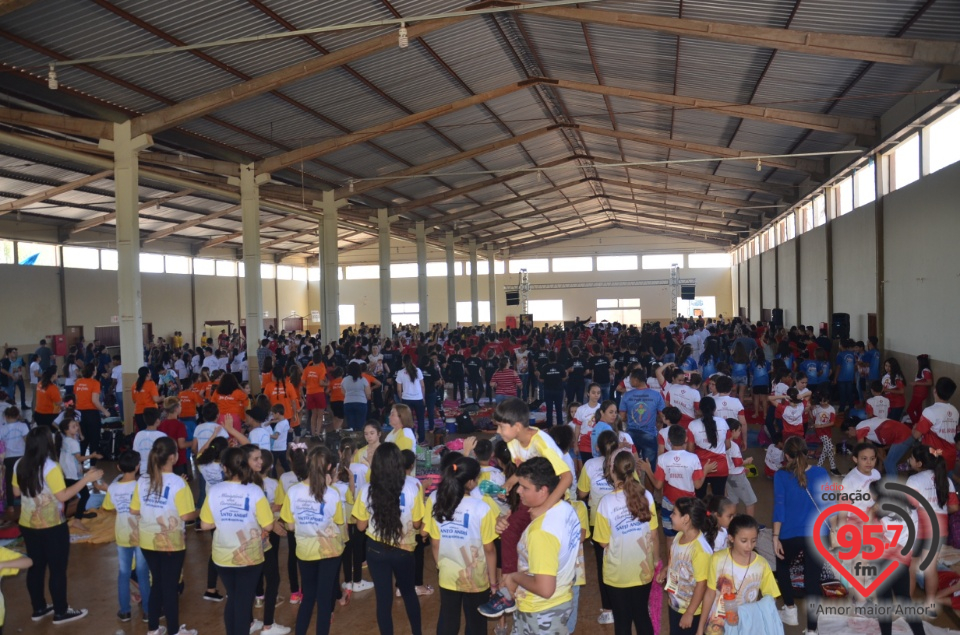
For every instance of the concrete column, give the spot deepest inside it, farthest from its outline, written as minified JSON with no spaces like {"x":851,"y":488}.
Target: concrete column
{"x":830,"y":196}
{"x":422,"y":299}
{"x":492,"y":285}
{"x":249,"y":182}
{"x":329,"y":262}
{"x":474,"y":284}
{"x":386,"y":323}
{"x":126,"y":178}
{"x":451,"y":284}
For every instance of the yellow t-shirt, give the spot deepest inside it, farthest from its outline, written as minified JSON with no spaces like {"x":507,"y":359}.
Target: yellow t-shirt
{"x":726,"y":576}
{"x":549,"y":546}
{"x":404,"y":439}
{"x":581,"y":571}
{"x":689,"y":565}
{"x":126,"y":526}
{"x":240,"y":512}
{"x":43,"y":510}
{"x":593,"y":482}
{"x":161,"y":525}
{"x":318,"y":526}
{"x":411,"y":511}
{"x":629,"y":559}
{"x":542,"y":444}
{"x":360,"y":467}
{"x":462,"y":561}
{"x":5,"y":556}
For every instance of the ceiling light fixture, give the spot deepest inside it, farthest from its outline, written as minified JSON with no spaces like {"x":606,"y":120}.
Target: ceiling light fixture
{"x":52,"y":82}
{"x":759,"y":165}
{"x":402,"y":33}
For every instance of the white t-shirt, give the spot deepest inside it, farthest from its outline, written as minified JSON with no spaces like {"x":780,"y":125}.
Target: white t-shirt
{"x":774,"y":458}
{"x":678,"y":469}
{"x":728,"y":407}
{"x":288,"y":480}
{"x":585,"y":414}
{"x":68,"y":462}
{"x":880,"y":406}
{"x":71,"y":378}
{"x":117,"y":375}
{"x":212,"y":474}
{"x":410,"y":387}
{"x":181,"y":369}
{"x":204,"y":431}
{"x":734,"y":460}
{"x":684,"y":398}
{"x":857,"y":482}
{"x":260,"y":437}
{"x":281,"y":428}
{"x":143,"y":443}
{"x":35,"y":373}
{"x":13,"y":435}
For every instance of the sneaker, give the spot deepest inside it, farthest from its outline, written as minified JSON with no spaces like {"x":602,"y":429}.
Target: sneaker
{"x":275,"y":629}
{"x":835,"y":472}
{"x":788,"y":615}
{"x":186,"y":631}
{"x":161,"y":630}
{"x":255,"y":626}
{"x":123,"y":617}
{"x":296,"y":598}
{"x":39,"y":615}
{"x":258,"y":602}
{"x":606,"y":617}
{"x":347,"y":586}
{"x":497,"y":606}
{"x":362,"y":585}
{"x":71,"y":615}
{"x":213,"y":596}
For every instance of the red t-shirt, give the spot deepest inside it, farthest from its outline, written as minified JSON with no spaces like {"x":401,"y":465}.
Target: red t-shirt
{"x":175,"y":429}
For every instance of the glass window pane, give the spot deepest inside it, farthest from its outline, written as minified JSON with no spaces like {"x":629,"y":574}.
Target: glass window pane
{"x":864,"y":185}
{"x":226,"y":268}
{"x":151,"y":263}
{"x":80,"y":258}
{"x":403,"y":270}
{"x":313,"y":274}
{"x":629,"y":303}
{"x":550,"y":311}
{"x":347,"y":315}
{"x":363,"y":272}
{"x":906,"y":160}
{"x":300,"y":274}
{"x":616,"y":263}
{"x":535,"y":265}
{"x":177,"y":264}
{"x":284,"y":272}
{"x":845,"y":196}
{"x":405,"y":319}
{"x":241,"y":269}
{"x":483,"y":268}
{"x":567,"y":265}
{"x":819,"y":210}
{"x":708,"y":261}
{"x":204,"y":267}
{"x":944,"y":136}
{"x":498,"y":267}
{"x":267,"y":271}
{"x":662,"y":261}
{"x":6,"y":252}
{"x":464,"y":312}
{"x":607,"y":304}
{"x":40,"y":254}
{"x":791,"y":227}
{"x":436,"y":269}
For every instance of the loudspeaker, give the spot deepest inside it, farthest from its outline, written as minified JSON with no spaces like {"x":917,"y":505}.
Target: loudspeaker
{"x":776,"y":319}
{"x":513,"y":298}
{"x":688,"y":291}
{"x":841,"y":326}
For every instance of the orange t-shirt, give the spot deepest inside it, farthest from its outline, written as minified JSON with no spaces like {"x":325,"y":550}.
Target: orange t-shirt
{"x":284,"y":394}
{"x":203,"y":388}
{"x":84,"y":390}
{"x":370,"y":378}
{"x":47,"y":399}
{"x":336,"y":389}
{"x":266,"y":380}
{"x":234,"y":404}
{"x":313,"y":374}
{"x":145,"y":398}
{"x":190,"y":400}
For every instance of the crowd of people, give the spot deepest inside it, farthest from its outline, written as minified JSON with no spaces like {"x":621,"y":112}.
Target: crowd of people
{"x":640,"y":452}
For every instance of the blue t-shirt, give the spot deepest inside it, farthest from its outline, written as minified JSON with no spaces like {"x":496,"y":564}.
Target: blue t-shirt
{"x":847,"y":365}
{"x":689,"y":364}
{"x":804,"y":504}
{"x":788,"y":360}
{"x":738,"y":371}
{"x":642,"y":407}
{"x":761,"y":373}
{"x":708,"y":365}
{"x":823,"y":369}
{"x":597,"y":429}
{"x":872,"y":357}
{"x":810,"y":368}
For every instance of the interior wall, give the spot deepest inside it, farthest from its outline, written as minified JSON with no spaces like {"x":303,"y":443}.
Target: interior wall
{"x":787,"y":281}
{"x":754,"y":311}
{"x":744,"y":287}
{"x":734,"y":289}
{"x":813,"y":276}
{"x":855,"y":267}
{"x":768,"y":289}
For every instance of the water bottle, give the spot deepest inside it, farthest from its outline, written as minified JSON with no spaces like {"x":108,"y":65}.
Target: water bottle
{"x":731,"y":606}
{"x":489,"y":488}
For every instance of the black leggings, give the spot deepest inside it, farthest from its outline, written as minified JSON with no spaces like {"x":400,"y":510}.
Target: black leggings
{"x":84,"y":495}
{"x":211,"y":574}
{"x":49,"y":549}
{"x":292,"y":562}
{"x":452,"y":603}
{"x":165,"y":569}
{"x":899,"y":587}
{"x":241,"y":586}
{"x":604,"y":589}
{"x":812,"y":571}
{"x":353,"y":555}
{"x":457,"y":381}
{"x":91,"y":427}
{"x":319,"y":590}
{"x":418,"y":560}
{"x":270,"y":575}
{"x":718,"y":486}
{"x":8,"y":464}
{"x":476,"y":388}
{"x":631,"y":608}
{"x":386,"y":563}
{"x":675,"y":624}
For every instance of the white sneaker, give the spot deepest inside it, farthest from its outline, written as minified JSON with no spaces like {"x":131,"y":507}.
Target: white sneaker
{"x":788,"y":615}
{"x":346,"y":586}
{"x":362,"y":585}
{"x":161,"y":630}
{"x":606,"y":617}
{"x":810,"y":632}
{"x":186,"y":631}
{"x":255,"y":626}
{"x":275,"y":629}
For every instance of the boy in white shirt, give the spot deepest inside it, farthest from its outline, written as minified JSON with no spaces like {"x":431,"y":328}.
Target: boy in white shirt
{"x":143,"y":442}
{"x":739,"y":489}
{"x":773,"y":460}
{"x":280,"y":432}
{"x":260,"y":434}
{"x":12,"y":433}
{"x":679,"y":473}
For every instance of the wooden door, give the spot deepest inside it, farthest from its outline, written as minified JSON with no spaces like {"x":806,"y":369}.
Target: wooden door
{"x":74,"y":335}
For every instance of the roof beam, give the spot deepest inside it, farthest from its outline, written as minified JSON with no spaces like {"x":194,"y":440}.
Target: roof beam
{"x":808,"y":166}
{"x":20,"y":203}
{"x":795,"y":118}
{"x":57,"y":123}
{"x":682,"y":211}
{"x":664,"y":191}
{"x":219,"y":240}
{"x":8,"y":6}
{"x":293,"y":157}
{"x":288,"y":238}
{"x":682,"y":225}
{"x":184,"y":162}
{"x":112,"y":216}
{"x":886,"y":50}
{"x":180,"y":113}
{"x":163,"y":233}
{"x":473,"y":229}
{"x":446,"y":219}
{"x":543,"y":239}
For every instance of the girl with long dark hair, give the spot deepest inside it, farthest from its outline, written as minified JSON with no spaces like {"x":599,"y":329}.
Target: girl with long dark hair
{"x":921,"y":388}
{"x":688,"y":563}
{"x":145,"y":395}
{"x":412,"y":392}
{"x":231,"y":400}
{"x":48,"y":401}
{"x":711,"y":436}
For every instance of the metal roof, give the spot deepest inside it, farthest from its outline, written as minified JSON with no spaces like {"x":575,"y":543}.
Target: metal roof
{"x":380,"y":87}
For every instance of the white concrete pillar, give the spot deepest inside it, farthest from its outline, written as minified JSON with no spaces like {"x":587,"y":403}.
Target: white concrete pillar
{"x":492,"y":285}
{"x":383,"y":225}
{"x":422,"y":299}
{"x":474,"y":284}
{"x":451,"y":284}
{"x":329,"y":263}
{"x":126,"y":179}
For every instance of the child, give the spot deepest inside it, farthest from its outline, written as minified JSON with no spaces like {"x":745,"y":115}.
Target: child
{"x":760,"y":372}
{"x":13,"y":433}
{"x":938,"y":423}
{"x":208,"y":464}
{"x":344,"y":484}
{"x":190,"y":404}
{"x":688,"y":563}
{"x":739,"y":489}
{"x":791,"y":412}
{"x":824,"y":416}
{"x":773,"y":459}
{"x":143,"y":442}
{"x":174,"y":428}
{"x":730,"y":407}
{"x":737,"y":570}
{"x":127,"y":531}
{"x":893,"y":435}
{"x":563,"y":437}
{"x":483,"y":452}
{"x":722,"y":510}
{"x":268,"y":587}
{"x":606,"y":419}
{"x":403,"y":426}
{"x":12,"y":563}
{"x":684,"y":395}
{"x":462,"y":529}
{"x":297,"y":457}
{"x":626,"y":528}
{"x":673,"y":416}
{"x":921,"y":388}
{"x":893,"y":388}
{"x":71,"y":462}
{"x":682,"y":476}
{"x":360,"y":463}
{"x":711,"y":437}
{"x":280,"y":436}
{"x":337,"y":396}
{"x":202,"y":434}
{"x":583,"y":420}
{"x":877,"y":404}
{"x":260,"y":434}
{"x":420,"y":545}
{"x":857,"y":480}
{"x":512,"y":417}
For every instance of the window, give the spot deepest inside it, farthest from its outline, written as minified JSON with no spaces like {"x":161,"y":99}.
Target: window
{"x":405,"y":313}
{"x":464,"y":312}
{"x":80,"y":258}
{"x":573,"y":265}
{"x":313,"y":274}
{"x":616,"y":263}
{"x":151,"y":263}
{"x":339,"y":273}
{"x":819,"y":210}
{"x":241,"y":269}
{"x":403,"y":270}
{"x":284,"y":272}
{"x":791,"y":227}
{"x":439,"y":269}
{"x":267,"y":271}
{"x":537,"y":265}
{"x":805,"y":217}
{"x":708,"y":261}
{"x":6,"y":252}
{"x":347,"y":315}
{"x":483,"y":267}
{"x":844,"y":192}
{"x":942,"y":136}
{"x":550,"y":311}
{"x":204,"y":267}
{"x":662,"y":261}
{"x":300,"y":274}
{"x":906,"y":162}
{"x":226,"y":268}
{"x":37,"y":254}
{"x":177,"y":264}
{"x":864,"y":185}
{"x":700,"y":306}
{"x":624,"y":311}
{"x":363,"y":272}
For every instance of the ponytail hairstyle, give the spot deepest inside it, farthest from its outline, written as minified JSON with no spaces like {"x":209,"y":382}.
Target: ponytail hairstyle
{"x":248,"y":451}
{"x":348,"y":448}
{"x":701,"y":519}
{"x":795,"y":449}
{"x":707,"y":409}
{"x":410,"y":367}
{"x":170,"y":405}
{"x":624,"y":470}
{"x":453,"y":487}
{"x":39,"y":448}
{"x":387,"y":477}
{"x":321,"y":461}
{"x":297,"y":453}
{"x":793,"y":395}
{"x":234,"y":464}
{"x":267,"y":457}
{"x":213,"y":451}
{"x":716,"y":506}
{"x":142,"y":374}
{"x":163,"y":448}
{"x":607,"y":444}
{"x":927,"y":460}
{"x":501,"y":452}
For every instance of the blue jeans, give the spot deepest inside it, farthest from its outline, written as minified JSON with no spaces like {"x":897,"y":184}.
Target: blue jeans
{"x":119,"y":397}
{"x":646,"y":443}
{"x":355,"y":415}
{"x":125,"y":557}
{"x":572,"y":622}
{"x":524,"y":391}
{"x":418,"y":408}
{"x":604,"y":395}
{"x":554,"y":399}
{"x":431,"y":409}
{"x":11,"y":391}
{"x":895,"y":454}
{"x":847,"y":391}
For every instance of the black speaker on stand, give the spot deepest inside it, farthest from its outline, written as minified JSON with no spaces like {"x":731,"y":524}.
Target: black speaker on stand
{"x":840,"y":327}
{"x":688,"y":292}
{"x":776,"y":318}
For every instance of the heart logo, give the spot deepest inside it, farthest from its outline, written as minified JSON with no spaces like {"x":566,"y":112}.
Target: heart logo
{"x":827,"y":555}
